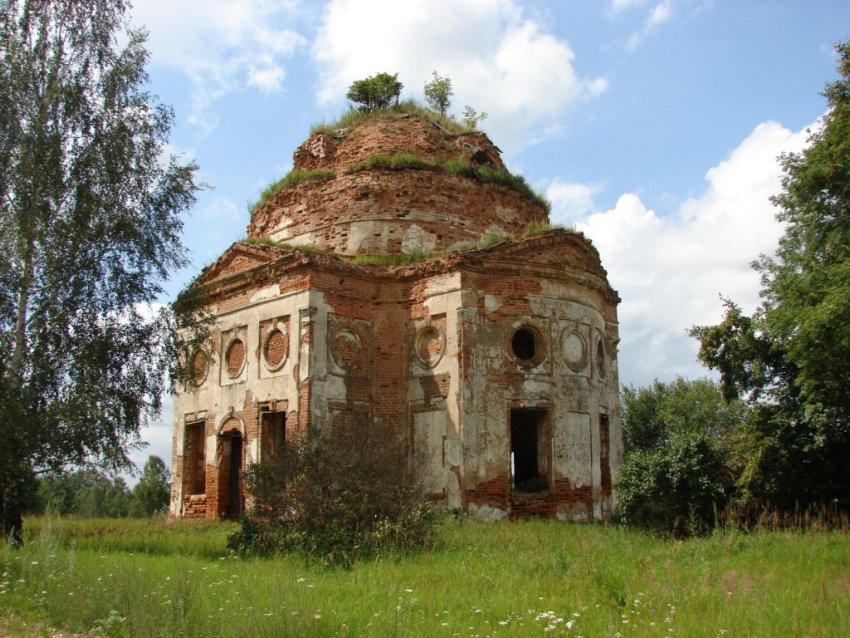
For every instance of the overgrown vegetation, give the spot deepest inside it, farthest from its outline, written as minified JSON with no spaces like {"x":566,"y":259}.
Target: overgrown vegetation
{"x":290,"y":179}
{"x":542,"y":226}
{"x":339,"y":497}
{"x":354,"y":117}
{"x":681,"y":461}
{"x":91,"y":493}
{"x":395,"y":259}
{"x":456,"y":166}
{"x":790,"y":360}
{"x":438,"y":93}
{"x":148,"y":579}
{"x":375,"y":92}
{"x":472,"y":118}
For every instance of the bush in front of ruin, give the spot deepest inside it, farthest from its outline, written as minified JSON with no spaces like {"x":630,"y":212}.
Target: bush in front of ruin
{"x":336,"y":498}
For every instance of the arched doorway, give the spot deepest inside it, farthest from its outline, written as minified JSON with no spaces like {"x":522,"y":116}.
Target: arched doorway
{"x":231,"y":463}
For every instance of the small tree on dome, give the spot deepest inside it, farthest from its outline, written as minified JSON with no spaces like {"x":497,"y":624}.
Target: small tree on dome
{"x":375,"y":93}
{"x":438,"y":93}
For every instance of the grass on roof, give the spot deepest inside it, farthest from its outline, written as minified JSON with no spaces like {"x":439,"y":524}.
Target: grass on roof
{"x":456,"y":166}
{"x":290,"y":179}
{"x":353,"y":117}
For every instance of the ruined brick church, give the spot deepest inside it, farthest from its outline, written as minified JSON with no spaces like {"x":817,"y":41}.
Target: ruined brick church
{"x":495,"y":360}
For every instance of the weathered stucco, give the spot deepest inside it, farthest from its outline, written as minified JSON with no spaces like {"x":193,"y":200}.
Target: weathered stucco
{"x":496,"y":365}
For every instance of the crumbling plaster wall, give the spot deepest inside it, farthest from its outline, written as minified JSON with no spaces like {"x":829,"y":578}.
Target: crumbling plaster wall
{"x":228,"y":397}
{"x":573,"y":381}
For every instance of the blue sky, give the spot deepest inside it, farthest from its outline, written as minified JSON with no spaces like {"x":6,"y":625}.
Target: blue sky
{"x":652,"y":125}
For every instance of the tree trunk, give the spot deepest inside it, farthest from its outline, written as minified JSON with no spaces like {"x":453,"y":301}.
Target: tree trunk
{"x":13,"y":522}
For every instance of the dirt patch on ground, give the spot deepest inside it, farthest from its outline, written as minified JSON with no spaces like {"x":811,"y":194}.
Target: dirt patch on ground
{"x":14,"y":627}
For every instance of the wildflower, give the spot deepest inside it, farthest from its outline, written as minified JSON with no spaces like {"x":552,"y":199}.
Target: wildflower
{"x":408,"y":590}
{"x":316,"y":616}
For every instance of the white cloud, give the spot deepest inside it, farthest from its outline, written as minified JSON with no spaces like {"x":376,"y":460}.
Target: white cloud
{"x":570,"y":201}
{"x":658,"y":15}
{"x":222,"y":209}
{"x":221,"y":45}
{"x":499,"y":61}
{"x":618,"y":6}
{"x":157,"y":436}
{"x":671,"y":270}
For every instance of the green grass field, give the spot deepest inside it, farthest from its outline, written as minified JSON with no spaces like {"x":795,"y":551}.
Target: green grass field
{"x":147,"y":578}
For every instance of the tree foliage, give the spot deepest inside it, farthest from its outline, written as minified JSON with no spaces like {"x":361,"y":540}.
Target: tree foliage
{"x":336,"y":498}
{"x":438,"y":93}
{"x":375,"y":92}
{"x":472,"y":118}
{"x":679,"y":463}
{"x":151,"y":494}
{"x":90,"y":222}
{"x":92,"y":493}
{"x":87,"y":492}
{"x":791,"y":358}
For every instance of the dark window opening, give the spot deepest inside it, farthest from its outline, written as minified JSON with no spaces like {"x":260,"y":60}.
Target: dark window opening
{"x":482,"y":159}
{"x":524,"y":344}
{"x":193,"y":459}
{"x":527,"y":451}
{"x":272,"y":435}
{"x":604,"y":450}
{"x":231,"y":476}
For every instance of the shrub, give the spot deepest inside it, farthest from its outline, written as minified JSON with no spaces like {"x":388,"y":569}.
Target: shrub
{"x":438,"y":93}
{"x":471,"y":117}
{"x":674,"y":489}
{"x":337,"y":498}
{"x":679,"y":466}
{"x":375,"y":93}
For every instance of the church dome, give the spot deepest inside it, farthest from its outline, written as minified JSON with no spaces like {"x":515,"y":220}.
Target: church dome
{"x":397,"y":183}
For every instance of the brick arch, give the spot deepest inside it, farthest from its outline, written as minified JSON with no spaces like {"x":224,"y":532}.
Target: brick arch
{"x":231,"y":426}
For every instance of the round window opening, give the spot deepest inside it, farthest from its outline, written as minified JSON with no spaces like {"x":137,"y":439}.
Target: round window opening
{"x":524,"y":344}
{"x":600,"y":359}
{"x":430,"y":344}
{"x":199,"y":367}
{"x":235,"y":357}
{"x":276,"y":349}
